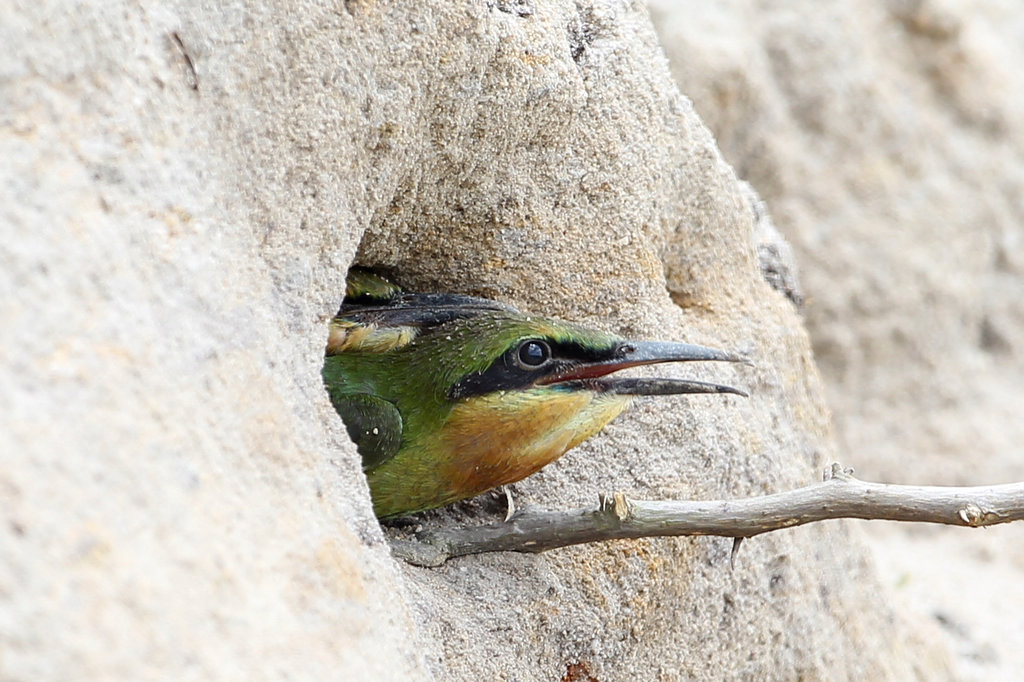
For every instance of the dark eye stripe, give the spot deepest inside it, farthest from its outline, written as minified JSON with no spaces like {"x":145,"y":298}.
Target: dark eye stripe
{"x":523,"y":364}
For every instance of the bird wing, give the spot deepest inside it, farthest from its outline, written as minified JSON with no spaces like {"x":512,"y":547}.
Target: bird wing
{"x":385,"y":319}
{"x":373,"y":424}
{"x":418,"y":310}
{"x":373,"y":299}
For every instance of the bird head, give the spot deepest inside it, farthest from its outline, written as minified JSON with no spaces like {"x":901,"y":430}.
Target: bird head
{"x":510,"y":353}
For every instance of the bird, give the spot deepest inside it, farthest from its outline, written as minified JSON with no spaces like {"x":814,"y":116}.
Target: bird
{"x":447,"y":396}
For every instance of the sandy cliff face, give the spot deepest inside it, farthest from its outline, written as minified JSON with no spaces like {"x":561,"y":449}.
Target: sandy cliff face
{"x":184,"y":190}
{"x":887,"y":142}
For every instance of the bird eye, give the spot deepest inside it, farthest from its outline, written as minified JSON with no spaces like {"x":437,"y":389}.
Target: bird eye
{"x":533,"y":354}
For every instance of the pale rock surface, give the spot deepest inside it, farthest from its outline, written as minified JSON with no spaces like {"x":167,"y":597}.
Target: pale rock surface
{"x":183,"y":189}
{"x":887,"y":141}
{"x":170,"y":509}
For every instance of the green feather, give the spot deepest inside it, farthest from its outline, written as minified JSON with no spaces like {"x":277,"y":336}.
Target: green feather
{"x":373,"y":424}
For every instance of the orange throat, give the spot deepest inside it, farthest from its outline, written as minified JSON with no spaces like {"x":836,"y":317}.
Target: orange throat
{"x":503,"y":438}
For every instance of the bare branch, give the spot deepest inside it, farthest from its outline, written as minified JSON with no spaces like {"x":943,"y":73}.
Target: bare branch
{"x":838,"y":496}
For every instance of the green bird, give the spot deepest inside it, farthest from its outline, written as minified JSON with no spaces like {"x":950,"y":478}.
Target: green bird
{"x":448,"y":396}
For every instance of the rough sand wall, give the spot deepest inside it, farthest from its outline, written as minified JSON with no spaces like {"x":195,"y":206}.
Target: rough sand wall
{"x":887,"y":141}
{"x":183,"y":191}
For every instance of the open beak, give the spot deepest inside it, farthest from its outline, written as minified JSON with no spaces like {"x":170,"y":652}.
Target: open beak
{"x":637,"y":353}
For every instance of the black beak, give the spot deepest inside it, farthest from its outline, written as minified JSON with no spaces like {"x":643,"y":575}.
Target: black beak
{"x":637,"y":353}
